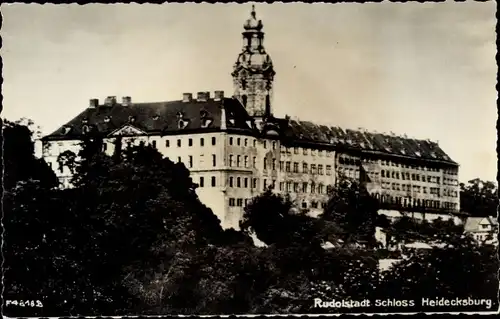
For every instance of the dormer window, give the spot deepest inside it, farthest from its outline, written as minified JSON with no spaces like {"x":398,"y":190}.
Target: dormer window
{"x":180,"y":115}
{"x":107,"y":119}
{"x":86,"y":129}
{"x":85,"y":120}
{"x":131,"y":119}
{"x":206,"y":123}
{"x":203,"y":114}
{"x":182,"y":124}
{"x":66,"y":129}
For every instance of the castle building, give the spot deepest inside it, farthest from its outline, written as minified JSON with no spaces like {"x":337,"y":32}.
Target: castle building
{"x":235,"y":148}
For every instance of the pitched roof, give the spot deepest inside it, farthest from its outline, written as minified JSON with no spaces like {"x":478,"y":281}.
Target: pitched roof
{"x":163,"y":118}
{"x":156,"y":117}
{"x":472,"y":223}
{"x":365,"y":141}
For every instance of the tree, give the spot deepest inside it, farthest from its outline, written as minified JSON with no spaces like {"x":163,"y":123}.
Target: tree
{"x":275,"y":220}
{"x":406,"y":229}
{"x":18,"y":153}
{"x":462,"y":269}
{"x":354,"y":210}
{"x":479,"y":198}
{"x":124,"y":219}
{"x":298,"y":268}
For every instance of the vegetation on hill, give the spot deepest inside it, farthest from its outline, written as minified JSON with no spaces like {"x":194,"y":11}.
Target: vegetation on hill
{"x":133,"y":238}
{"x":479,"y":198}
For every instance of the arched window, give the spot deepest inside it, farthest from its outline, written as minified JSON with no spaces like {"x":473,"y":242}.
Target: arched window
{"x":244,"y":99}
{"x":268,"y":104}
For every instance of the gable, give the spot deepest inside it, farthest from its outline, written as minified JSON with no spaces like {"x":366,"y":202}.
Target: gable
{"x":127,"y":130}
{"x":485,"y":221}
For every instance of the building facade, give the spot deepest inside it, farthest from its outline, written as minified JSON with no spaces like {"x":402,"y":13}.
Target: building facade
{"x":483,"y":229}
{"x":235,"y":148}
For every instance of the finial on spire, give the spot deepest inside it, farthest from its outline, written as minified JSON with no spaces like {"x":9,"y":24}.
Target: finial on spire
{"x":253,"y":10}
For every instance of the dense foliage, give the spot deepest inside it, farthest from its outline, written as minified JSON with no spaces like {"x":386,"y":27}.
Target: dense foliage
{"x":479,"y":198}
{"x":132,"y":237}
{"x":18,"y":154}
{"x":353,"y":209}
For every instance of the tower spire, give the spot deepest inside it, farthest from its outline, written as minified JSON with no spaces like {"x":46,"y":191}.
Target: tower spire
{"x":253,"y":71}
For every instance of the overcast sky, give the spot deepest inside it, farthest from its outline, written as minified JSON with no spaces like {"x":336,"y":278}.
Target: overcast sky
{"x":426,"y":70}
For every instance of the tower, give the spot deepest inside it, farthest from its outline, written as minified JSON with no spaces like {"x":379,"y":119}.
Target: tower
{"x":253,"y":72}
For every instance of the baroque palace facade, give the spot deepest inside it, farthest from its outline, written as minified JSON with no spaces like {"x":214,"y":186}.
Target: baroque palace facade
{"x":235,"y":148}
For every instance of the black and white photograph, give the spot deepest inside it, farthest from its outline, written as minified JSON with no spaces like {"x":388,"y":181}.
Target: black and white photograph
{"x":249,"y":159}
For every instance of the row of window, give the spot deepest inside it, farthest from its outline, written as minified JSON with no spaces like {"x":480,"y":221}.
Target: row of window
{"x":239,"y":162}
{"x":285,"y":150}
{"x":238,"y":202}
{"x":305,"y":151}
{"x":167,"y":143}
{"x":243,"y":161}
{"x":243,"y":182}
{"x":238,"y":142}
{"x":190,"y":142}
{"x":413,"y":202}
{"x":286,"y":166}
{"x":406,"y":176}
{"x":213,"y":181}
{"x":242,"y":202}
{"x":304,"y":187}
{"x":451,"y":171}
{"x":349,"y":161}
{"x":450,"y":181}
{"x":314,"y":204}
{"x":190,"y":161}
{"x":390,"y":163}
{"x":349,"y":172}
{"x":418,"y":189}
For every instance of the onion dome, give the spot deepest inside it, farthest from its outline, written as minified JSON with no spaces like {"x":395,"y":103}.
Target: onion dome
{"x":253,"y":23}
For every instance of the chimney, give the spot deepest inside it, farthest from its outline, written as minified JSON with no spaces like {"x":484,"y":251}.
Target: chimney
{"x":126,"y":100}
{"x":187,"y":97}
{"x":93,"y":103}
{"x":202,"y":97}
{"x":218,"y":95}
{"x":110,"y":100}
